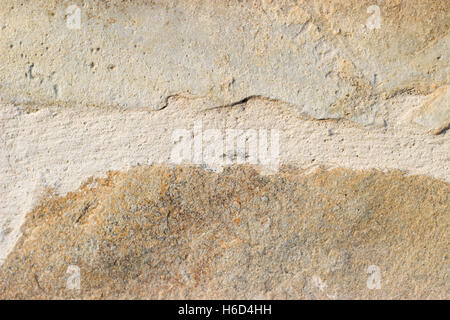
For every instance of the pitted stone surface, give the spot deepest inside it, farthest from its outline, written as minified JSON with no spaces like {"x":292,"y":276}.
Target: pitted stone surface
{"x":323,"y":58}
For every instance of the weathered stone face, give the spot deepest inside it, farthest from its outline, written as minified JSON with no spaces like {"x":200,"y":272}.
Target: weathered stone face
{"x":327,"y":59}
{"x":435,"y":113}
{"x":159,"y":232}
{"x":352,"y":94}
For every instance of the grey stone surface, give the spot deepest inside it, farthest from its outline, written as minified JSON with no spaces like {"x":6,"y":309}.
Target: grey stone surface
{"x":325,"y":59}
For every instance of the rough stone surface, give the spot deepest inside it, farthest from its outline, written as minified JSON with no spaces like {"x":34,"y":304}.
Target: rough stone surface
{"x":144,"y":233}
{"x":60,"y":148}
{"x":435,"y":113}
{"x":357,"y":90}
{"x":323,"y":58}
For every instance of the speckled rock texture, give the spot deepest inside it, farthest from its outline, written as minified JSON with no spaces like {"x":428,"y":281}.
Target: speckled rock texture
{"x":159,"y":232}
{"x":119,"y":179}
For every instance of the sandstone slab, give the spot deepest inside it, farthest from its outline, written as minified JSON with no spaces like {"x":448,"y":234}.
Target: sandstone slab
{"x":326,"y":59}
{"x":144,"y":233}
{"x":353,"y":89}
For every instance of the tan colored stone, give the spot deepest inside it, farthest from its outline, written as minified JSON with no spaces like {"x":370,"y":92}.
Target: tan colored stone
{"x":76,"y":102}
{"x":435,"y":113}
{"x":157,"y":232}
